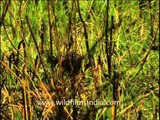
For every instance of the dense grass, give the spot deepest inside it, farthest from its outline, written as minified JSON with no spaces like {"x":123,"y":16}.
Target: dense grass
{"x":116,"y":43}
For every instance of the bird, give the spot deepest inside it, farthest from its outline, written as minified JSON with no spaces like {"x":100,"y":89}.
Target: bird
{"x":71,"y":62}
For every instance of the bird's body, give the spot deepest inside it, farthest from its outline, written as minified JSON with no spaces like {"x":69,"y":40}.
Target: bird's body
{"x":71,"y":62}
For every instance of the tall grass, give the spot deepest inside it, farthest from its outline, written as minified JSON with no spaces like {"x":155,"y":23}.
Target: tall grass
{"x":115,"y":43}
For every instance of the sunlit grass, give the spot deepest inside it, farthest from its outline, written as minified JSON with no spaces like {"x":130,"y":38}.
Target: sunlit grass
{"x":27,"y":76}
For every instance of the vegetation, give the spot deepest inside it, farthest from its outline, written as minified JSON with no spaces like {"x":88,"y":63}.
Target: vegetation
{"x":81,"y":50}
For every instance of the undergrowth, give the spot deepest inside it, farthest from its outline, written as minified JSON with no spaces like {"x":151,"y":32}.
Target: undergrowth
{"x":79,"y":50}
